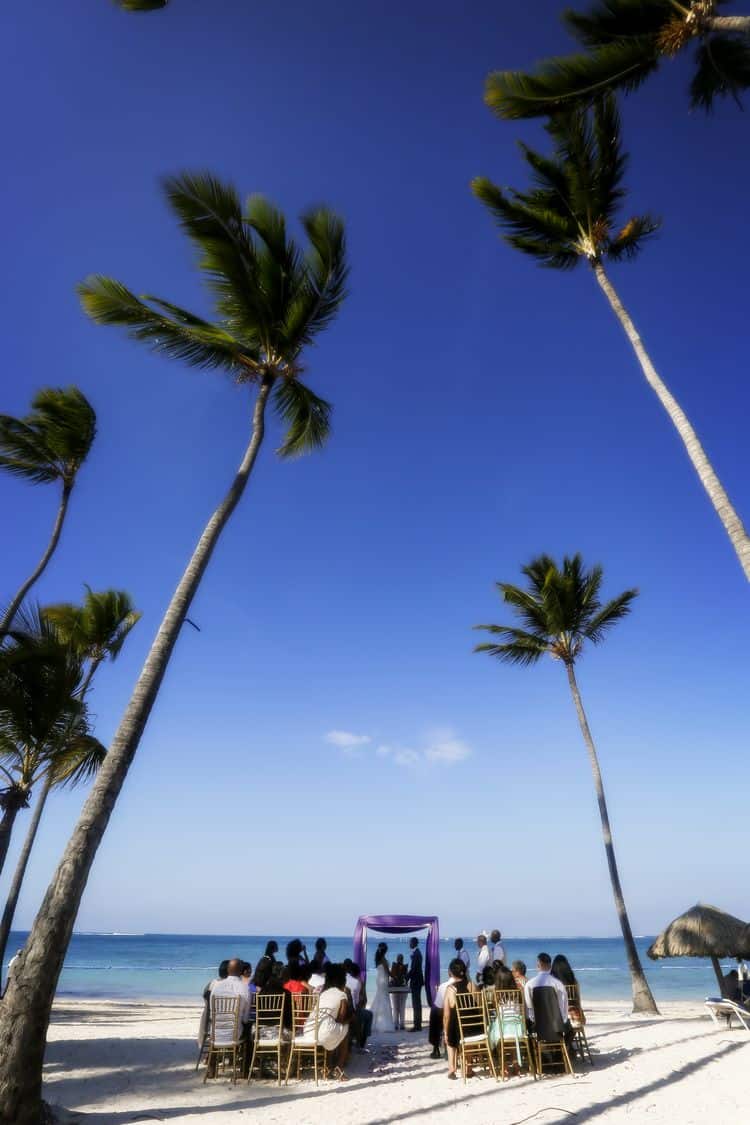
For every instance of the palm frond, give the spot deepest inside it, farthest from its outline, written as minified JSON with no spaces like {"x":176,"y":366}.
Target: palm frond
{"x":326,"y":273}
{"x":610,"y":161}
{"x":537,"y":230}
{"x":722,"y":70}
{"x":628,"y":243}
{"x":23,"y":452}
{"x":76,"y":761}
{"x":614,"y":611}
{"x":210,"y":213}
{"x":307,"y":417}
{"x":519,"y":648}
{"x":179,"y":335}
{"x":559,"y":83}
{"x":610,"y":21}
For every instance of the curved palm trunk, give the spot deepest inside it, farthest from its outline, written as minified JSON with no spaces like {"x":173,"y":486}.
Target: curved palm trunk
{"x":25,"y":1011}
{"x":15,"y":888}
{"x":6,"y":830}
{"x":643,"y":1000}
{"x":12,"y":610}
{"x":6,"y":921}
{"x":733,"y":525}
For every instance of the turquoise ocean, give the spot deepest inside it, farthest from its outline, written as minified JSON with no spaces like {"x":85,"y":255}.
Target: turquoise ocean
{"x":177,"y":966}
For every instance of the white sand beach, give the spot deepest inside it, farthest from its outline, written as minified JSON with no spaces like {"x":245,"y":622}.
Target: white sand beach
{"x":117,"y":1062}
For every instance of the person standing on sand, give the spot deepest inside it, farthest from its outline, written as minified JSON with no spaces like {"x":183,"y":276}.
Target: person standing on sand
{"x":415,"y":979}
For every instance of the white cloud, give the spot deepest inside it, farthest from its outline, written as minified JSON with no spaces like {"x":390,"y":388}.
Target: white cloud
{"x":441,"y":748}
{"x":447,"y":751}
{"x":346,"y":740}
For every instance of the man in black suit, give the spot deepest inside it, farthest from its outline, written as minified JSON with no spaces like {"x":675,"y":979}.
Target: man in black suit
{"x":415,"y":979}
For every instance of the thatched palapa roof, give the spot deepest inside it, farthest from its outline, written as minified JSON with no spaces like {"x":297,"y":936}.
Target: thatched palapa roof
{"x":703,"y":931}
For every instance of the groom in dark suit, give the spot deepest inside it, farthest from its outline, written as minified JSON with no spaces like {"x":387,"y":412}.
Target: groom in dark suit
{"x":415,"y":979}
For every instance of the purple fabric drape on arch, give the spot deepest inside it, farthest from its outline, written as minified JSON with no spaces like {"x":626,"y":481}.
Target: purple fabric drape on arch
{"x":401,"y":924}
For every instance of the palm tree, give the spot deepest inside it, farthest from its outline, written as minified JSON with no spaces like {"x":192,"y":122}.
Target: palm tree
{"x":41,"y":715}
{"x":625,"y":42}
{"x":48,"y":445}
{"x":96,"y":631}
{"x":272,"y":299}
{"x":569,"y":216}
{"x":560,"y":611}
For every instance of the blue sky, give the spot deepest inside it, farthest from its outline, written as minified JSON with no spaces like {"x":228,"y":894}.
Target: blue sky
{"x":485,"y":410}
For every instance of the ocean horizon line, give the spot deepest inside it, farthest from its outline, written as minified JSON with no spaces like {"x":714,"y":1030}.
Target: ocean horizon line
{"x":268,"y":935}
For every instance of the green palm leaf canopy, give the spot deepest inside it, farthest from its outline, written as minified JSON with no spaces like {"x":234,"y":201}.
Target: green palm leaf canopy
{"x":271,"y":296}
{"x":569,"y":212}
{"x":53,"y":441}
{"x":624,"y":42}
{"x":703,"y":931}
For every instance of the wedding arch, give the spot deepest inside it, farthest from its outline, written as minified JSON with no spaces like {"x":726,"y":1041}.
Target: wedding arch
{"x":402,"y":924}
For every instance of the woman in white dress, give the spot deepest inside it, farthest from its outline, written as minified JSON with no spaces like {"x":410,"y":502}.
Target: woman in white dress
{"x":382,"y":1017}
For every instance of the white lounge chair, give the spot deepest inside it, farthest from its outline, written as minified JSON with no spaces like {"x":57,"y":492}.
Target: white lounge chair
{"x":726,"y":1009}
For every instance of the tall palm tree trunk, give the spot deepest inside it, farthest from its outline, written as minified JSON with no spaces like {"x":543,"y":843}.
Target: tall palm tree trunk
{"x":730,"y":23}
{"x":733,"y":525}
{"x":25,"y":1010}
{"x":12,"y":610}
{"x":18,"y":877}
{"x":643,"y":1000}
{"x":15,"y":888}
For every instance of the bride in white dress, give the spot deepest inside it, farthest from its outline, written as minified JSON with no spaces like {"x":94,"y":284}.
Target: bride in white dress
{"x":382,"y":1016}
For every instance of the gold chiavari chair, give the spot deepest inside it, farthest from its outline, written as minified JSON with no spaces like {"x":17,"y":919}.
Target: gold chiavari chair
{"x":549,"y":1030}
{"x":511,"y":1032}
{"x":577,"y":1018}
{"x":225,"y":1041}
{"x":269,"y":1030}
{"x":474,"y":1043}
{"x":305,"y":1035}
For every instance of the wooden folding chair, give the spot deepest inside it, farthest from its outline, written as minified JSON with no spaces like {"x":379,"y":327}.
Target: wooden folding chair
{"x":269,"y":1030}
{"x":305,"y":1038}
{"x":473,"y":1031}
{"x":225,"y":1041}
{"x":549,"y":1030}
{"x":577,"y":1018}
{"x":513,"y":1039}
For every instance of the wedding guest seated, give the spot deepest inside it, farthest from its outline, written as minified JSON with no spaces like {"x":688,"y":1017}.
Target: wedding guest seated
{"x":562,"y":969}
{"x":504,"y":980}
{"x":459,"y":983}
{"x":544,"y":979}
{"x":361,"y":1025}
{"x":334,"y":1017}
{"x":297,"y":977}
{"x":486,"y":979}
{"x":316,"y":979}
{"x":518,"y":968}
{"x":233,"y":985}
{"x":206,"y":1014}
